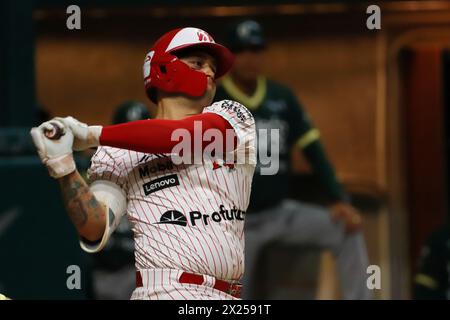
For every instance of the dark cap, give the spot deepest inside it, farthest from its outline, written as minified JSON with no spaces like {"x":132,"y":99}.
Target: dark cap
{"x":130,"y":111}
{"x":246,"y":34}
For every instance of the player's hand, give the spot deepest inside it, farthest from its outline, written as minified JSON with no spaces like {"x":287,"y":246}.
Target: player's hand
{"x":85,"y":136}
{"x":55,"y":152}
{"x":341,"y":211}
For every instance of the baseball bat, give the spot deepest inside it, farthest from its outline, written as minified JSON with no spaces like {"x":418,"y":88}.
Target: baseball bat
{"x":55,"y":133}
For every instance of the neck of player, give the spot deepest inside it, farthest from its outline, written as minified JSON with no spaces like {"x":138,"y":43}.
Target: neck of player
{"x":176,"y":107}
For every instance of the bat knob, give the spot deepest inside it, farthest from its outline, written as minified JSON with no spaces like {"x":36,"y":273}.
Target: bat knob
{"x":55,"y":133}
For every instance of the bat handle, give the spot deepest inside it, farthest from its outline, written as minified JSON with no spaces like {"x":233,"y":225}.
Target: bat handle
{"x":55,"y":133}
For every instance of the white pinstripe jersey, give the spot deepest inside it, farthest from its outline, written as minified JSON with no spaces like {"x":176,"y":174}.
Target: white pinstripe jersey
{"x":190,"y":216}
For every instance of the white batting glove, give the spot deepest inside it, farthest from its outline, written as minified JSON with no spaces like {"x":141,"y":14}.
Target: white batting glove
{"x":55,"y":153}
{"x":85,"y":136}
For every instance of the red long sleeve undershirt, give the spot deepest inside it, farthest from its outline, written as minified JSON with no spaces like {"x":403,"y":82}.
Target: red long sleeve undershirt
{"x":154,"y":135}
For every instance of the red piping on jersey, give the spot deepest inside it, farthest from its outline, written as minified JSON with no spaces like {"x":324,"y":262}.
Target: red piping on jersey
{"x":154,"y":135}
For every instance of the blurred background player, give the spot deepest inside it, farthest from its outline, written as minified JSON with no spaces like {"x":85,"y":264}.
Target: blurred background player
{"x":432,"y":282}
{"x":271,"y":215}
{"x":114,"y":274}
{"x":130,"y":111}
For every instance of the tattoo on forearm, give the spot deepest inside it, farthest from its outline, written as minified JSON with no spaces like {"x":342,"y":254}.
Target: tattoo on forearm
{"x":77,"y":213}
{"x":79,"y":201}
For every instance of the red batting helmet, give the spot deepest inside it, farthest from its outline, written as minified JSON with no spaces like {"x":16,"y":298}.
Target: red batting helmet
{"x":163,"y":70}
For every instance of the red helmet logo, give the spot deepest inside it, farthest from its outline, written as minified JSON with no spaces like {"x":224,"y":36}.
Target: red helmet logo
{"x":203,"y":36}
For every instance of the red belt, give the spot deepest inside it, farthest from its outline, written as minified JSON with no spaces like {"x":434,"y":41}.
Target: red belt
{"x":186,"y":277}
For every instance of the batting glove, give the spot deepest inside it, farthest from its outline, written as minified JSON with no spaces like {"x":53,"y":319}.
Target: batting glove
{"x":85,"y":136}
{"x":56,"y":153}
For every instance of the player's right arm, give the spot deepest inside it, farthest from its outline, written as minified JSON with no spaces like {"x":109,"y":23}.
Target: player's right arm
{"x":87,"y":214}
{"x":94,"y":210}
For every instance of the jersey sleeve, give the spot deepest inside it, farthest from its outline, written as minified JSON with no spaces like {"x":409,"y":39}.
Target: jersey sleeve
{"x":243,"y":123}
{"x":107,"y":164}
{"x":302,"y":130}
{"x":107,"y":177}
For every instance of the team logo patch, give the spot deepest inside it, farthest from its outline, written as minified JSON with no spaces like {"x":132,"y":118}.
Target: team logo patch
{"x":197,"y":217}
{"x":234,"y":107}
{"x":149,"y":169}
{"x":173,"y":217}
{"x":160,"y":184}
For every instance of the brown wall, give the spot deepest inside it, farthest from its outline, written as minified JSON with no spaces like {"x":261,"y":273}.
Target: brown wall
{"x":335,"y":78}
{"x":87,"y":78}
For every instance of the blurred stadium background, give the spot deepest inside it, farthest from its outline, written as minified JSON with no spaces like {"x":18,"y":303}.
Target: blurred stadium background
{"x":380,"y":99}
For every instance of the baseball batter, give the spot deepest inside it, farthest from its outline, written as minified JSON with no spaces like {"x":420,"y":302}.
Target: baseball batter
{"x":187,"y":218}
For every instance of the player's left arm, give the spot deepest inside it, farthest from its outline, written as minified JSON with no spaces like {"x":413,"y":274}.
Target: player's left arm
{"x":307,"y":140}
{"x":156,"y":135}
{"x":148,"y":136}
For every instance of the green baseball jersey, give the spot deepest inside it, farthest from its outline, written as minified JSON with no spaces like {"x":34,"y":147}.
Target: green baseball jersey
{"x":278,"y":113}
{"x":433,"y":279}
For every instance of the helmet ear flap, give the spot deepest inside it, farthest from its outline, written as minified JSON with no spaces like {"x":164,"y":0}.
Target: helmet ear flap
{"x":173,"y":75}
{"x":163,"y":69}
